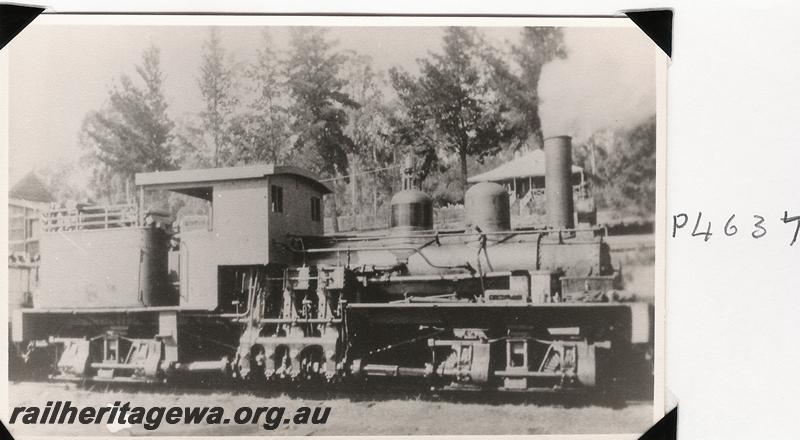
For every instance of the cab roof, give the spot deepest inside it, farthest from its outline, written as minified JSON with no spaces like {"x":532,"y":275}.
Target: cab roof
{"x":185,"y":179}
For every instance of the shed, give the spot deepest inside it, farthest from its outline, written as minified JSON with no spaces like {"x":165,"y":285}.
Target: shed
{"x":30,"y":188}
{"x":26,"y":199}
{"x":524,"y":173}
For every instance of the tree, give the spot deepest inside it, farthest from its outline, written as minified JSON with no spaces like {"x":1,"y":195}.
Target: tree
{"x":190,"y":150}
{"x":318,"y":106}
{"x":59,"y":179}
{"x":632,"y":169}
{"x":539,"y":46}
{"x":262,"y":132}
{"x":318,"y":102}
{"x":592,"y":154}
{"x":453,"y":105}
{"x":217,"y":86}
{"x":132,"y":133}
{"x":622,"y":166}
{"x":520,"y":87}
{"x":369,"y":128}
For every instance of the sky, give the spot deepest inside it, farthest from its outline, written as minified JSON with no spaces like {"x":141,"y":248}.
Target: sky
{"x":59,"y":73}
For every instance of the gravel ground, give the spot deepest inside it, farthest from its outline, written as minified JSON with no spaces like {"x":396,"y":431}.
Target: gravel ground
{"x":359,"y":414}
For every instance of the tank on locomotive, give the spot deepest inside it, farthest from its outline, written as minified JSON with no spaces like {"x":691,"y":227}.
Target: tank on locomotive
{"x":257,"y":291}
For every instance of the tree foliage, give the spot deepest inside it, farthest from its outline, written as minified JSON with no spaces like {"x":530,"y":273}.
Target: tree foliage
{"x":632,"y":168}
{"x":469,"y":107}
{"x":59,"y":179}
{"x":369,"y":128}
{"x":520,"y":86}
{"x":319,"y":119}
{"x":453,"y":106}
{"x":132,"y":133}
{"x":217,"y":84}
{"x":539,"y":46}
{"x":262,"y":132}
{"x":622,"y":165}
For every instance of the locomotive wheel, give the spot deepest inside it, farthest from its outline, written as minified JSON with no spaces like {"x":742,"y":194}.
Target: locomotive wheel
{"x":251,"y":366}
{"x":312,"y":361}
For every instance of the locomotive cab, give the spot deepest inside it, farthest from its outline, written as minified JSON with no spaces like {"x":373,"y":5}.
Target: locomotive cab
{"x":252,"y":213}
{"x":118,"y":284}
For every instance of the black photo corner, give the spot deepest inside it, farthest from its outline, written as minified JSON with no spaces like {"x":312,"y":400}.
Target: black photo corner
{"x":664,"y":429}
{"x":13,"y":19}
{"x":656,"y":24}
{"x":4,"y":434}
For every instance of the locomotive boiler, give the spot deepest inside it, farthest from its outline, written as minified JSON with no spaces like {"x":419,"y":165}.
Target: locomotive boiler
{"x":253,"y":290}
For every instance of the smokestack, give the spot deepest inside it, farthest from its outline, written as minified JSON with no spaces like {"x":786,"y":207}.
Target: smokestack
{"x":558,"y":182}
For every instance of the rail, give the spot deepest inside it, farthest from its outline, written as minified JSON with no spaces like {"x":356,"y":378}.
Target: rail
{"x":90,"y":217}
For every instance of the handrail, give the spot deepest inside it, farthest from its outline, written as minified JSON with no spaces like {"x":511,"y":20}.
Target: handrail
{"x":90,"y":217}
{"x":450,"y":233}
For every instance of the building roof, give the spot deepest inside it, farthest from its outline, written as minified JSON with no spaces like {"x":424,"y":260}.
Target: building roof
{"x":30,"y":188}
{"x":199,"y":177}
{"x":527,"y":165}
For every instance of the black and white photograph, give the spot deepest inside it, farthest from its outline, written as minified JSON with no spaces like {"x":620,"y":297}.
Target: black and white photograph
{"x":334,"y":225}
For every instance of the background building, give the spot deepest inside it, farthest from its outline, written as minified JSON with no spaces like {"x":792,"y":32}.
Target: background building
{"x":26,"y":200}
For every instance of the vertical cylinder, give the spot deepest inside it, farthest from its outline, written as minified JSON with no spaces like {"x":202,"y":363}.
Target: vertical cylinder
{"x":486,"y":206}
{"x":154,"y":286}
{"x":558,"y":182}
{"x":411,"y":209}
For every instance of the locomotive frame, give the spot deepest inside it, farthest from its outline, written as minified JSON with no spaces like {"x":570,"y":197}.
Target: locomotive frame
{"x":259,"y":293}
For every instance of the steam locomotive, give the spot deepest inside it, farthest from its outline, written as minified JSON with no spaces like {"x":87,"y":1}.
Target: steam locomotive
{"x":254,"y":290}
